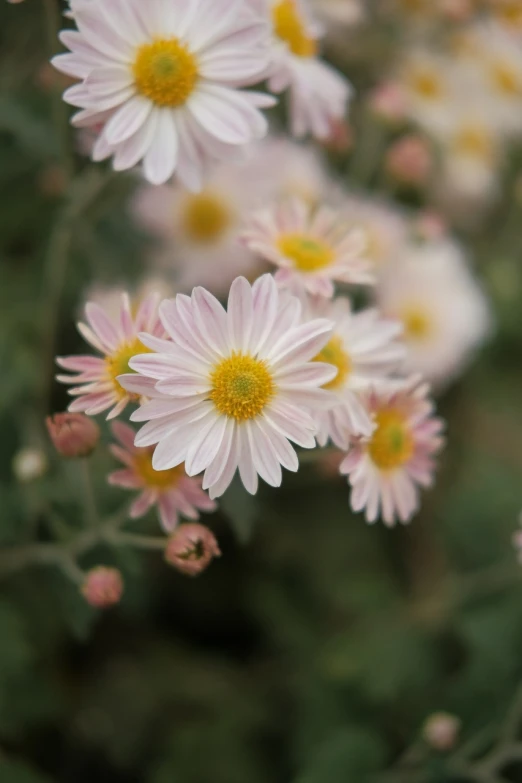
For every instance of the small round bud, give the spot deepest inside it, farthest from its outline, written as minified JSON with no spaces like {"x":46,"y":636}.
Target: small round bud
{"x":73,"y":434}
{"x":409,"y":160}
{"x":388,"y":103}
{"x":103,"y":587}
{"x":340,"y":138}
{"x":441,"y":731}
{"x":191,"y":549}
{"x":29,"y":464}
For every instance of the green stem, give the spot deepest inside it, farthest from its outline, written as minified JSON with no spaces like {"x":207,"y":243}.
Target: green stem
{"x":136,"y":541}
{"x":91,"y":512}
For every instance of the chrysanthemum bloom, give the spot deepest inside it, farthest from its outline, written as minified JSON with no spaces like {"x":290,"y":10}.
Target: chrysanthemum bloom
{"x":364,"y":349}
{"x":117,"y":341}
{"x":172,"y":491}
{"x":386,"y":469}
{"x":318,"y":93}
{"x":233,"y":387}
{"x":103,"y":587}
{"x":73,"y":434}
{"x":429,"y":86}
{"x":432,"y":292}
{"x":163,"y":79}
{"x":199,"y":232}
{"x":191,"y":549}
{"x":384,"y":226}
{"x":312,"y":247}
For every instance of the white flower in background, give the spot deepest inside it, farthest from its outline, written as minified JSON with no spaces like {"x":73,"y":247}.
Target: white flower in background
{"x":384,"y":226}
{"x":337,"y":15}
{"x":233,"y":387}
{"x":445,"y":315}
{"x":386,"y":469}
{"x":319,"y":94}
{"x":163,"y":81}
{"x":199,"y":232}
{"x":365,"y":349}
{"x":428,"y":84}
{"x":311,"y":247}
{"x":30,"y":464}
{"x":508,"y":13}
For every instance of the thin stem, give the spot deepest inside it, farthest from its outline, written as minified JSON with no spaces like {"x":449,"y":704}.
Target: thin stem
{"x":91,"y":511}
{"x":136,"y":541}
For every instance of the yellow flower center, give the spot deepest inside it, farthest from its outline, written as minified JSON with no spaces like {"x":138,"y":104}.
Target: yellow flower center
{"x":118,"y":363}
{"x":206,"y":217}
{"x":241,"y":386}
{"x":307,"y":253}
{"x":417,"y":323}
{"x":427,"y":84}
{"x":334,"y":353}
{"x":157,"y":479}
{"x":510,"y":12}
{"x":413,"y":6}
{"x":474,"y":141}
{"x":291,"y":28}
{"x":506,"y":79}
{"x":165,"y":72}
{"x":391,"y":444}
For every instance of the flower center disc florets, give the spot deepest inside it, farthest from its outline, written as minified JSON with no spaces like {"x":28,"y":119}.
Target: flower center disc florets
{"x":206,"y":217}
{"x":334,"y":353}
{"x":417,"y":324}
{"x":157,"y":479}
{"x":241,"y":387}
{"x":391,"y":444}
{"x":165,"y":72}
{"x":291,"y":28}
{"x":307,"y":253}
{"x":118,"y":363}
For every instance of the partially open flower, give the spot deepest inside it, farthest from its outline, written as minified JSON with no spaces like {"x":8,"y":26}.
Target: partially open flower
{"x":191,"y":549}
{"x":103,"y":587}
{"x":73,"y":434}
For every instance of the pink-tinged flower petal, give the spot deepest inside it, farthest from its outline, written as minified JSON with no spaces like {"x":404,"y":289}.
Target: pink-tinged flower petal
{"x":142,"y":504}
{"x":240,"y":314}
{"x":138,"y":384}
{"x":217,"y":466}
{"x":218,"y":487}
{"x":313,"y":374}
{"x":205,"y":448}
{"x":124,"y":478}
{"x":168,"y":513}
{"x":124,"y":434}
{"x":247,"y":470}
{"x":264,"y":456}
{"x":102,"y":327}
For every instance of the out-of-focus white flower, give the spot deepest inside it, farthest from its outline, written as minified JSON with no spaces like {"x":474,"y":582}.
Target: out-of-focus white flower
{"x":428,"y":84}
{"x":319,"y":94}
{"x":163,"y":80}
{"x":364,"y":349}
{"x":199,"y":233}
{"x":338,"y":14}
{"x":384,"y":226}
{"x":386,"y":469}
{"x":29,"y":464}
{"x":508,"y":13}
{"x":445,"y":315}
{"x":312,"y":248}
{"x":232,"y":387}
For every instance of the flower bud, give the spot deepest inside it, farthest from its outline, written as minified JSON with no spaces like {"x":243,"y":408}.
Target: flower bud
{"x":29,"y":464}
{"x":409,"y":160}
{"x":388,"y":103}
{"x":441,"y":731}
{"x":340,"y":138}
{"x":103,"y":587}
{"x":73,"y":434}
{"x":191,"y":549}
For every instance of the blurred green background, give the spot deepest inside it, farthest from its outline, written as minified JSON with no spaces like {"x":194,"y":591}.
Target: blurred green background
{"x":315,"y":649}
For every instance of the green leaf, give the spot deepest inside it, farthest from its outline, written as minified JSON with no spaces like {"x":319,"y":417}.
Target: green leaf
{"x":350,"y":755}
{"x":18,"y":772}
{"x":241,"y":509}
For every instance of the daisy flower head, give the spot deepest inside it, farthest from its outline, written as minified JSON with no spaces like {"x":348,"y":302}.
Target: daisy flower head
{"x":96,"y":385}
{"x":365,"y":349}
{"x":232,"y":387}
{"x":386,"y":469}
{"x":173,"y":492}
{"x":319,"y":94}
{"x":312,"y":247}
{"x":445,"y":315}
{"x":383,"y":224}
{"x":163,"y":80}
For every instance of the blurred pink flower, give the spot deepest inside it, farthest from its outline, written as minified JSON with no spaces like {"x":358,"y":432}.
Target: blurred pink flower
{"x":409,"y":160}
{"x":73,"y":434}
{"x":103,"y":587}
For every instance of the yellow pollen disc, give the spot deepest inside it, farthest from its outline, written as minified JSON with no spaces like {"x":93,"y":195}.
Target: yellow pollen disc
{"x":417,"y":323}
{"x":307,"y":253}
{"x":510,"y":12}
{"x":426,"y":84}
{"x":157,"y":479}
{"x":507,"y":79}
{"x":413,"y":6}
{"x":241,"y":387}
{"x":165,"y":72}
{"x":206,"y":217}
{"x":291,"y":28}
{"x":474,"y":141}
{"x":334,"y":353}
{"x":118,"y":363}
{"x":391,"y":444}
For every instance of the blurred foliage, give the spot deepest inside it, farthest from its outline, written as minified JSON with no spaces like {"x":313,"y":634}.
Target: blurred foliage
{"x":313,"y":651}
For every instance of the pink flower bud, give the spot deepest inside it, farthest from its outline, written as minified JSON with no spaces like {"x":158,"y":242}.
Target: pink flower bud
{"x":73,"y":434}
{"x":430,"y":226}
{"x":341,"y":137}
{"x":409,"y":160}
{"x":388,"y":102}
{"x":103,"y":587}
{"x":191,"y":549}
{"x":441,"y":731}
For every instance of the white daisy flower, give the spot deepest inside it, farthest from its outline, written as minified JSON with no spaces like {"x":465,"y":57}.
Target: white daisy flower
{"x":162,"y":78}
{"x":319,"y":94}
{"x":232,"y":387}
{"x":313,"y":248}
{"x":364,"y":348}
{"x":445,"y":315}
